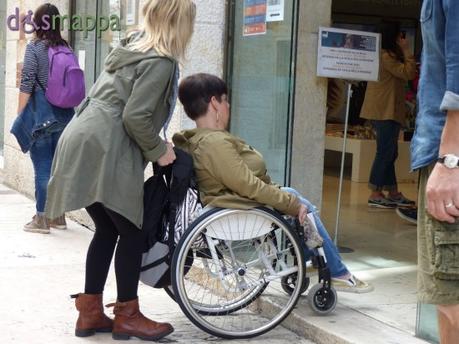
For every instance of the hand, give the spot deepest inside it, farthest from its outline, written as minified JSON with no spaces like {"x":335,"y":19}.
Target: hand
{"x":442,"y":193}
{"x":302,"y":213}
{"x":168,"y":157}
{"x":404,"y":44}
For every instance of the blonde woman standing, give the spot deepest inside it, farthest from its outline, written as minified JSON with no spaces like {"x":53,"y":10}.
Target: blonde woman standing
{"x":100,"y":159}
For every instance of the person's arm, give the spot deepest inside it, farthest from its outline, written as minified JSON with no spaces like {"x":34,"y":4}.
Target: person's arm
{"x":443,"y":183}
{"x":402,"y":70}
{"x":23,"y":100}
{"x":28,"y":77}
{"x":225,"y":164}
{"x":138,"y":116}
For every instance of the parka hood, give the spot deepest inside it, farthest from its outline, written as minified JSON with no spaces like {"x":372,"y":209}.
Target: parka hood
{"x":122,"y":56}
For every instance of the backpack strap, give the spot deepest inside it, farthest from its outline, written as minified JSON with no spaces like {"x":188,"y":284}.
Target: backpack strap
{"x":164,"y":259}
{"x":167,"y":176}
{"x":173,"y":204}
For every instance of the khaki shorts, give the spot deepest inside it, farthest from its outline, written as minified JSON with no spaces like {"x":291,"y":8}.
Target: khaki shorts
{"x":438,"y":254}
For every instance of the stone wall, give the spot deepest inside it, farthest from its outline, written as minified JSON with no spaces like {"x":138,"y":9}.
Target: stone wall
{"x":310,"y":103}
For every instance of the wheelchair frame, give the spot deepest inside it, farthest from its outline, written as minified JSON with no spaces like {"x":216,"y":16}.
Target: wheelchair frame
{"x":279,"y":257}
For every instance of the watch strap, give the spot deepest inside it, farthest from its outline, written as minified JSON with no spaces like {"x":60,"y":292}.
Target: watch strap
{"x":441,"y":160}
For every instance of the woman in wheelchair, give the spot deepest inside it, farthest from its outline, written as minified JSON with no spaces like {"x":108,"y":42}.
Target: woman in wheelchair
{"x":232,"y":174}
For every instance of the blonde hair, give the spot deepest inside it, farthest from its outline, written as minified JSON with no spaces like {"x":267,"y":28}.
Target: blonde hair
{"x":167,"y":27}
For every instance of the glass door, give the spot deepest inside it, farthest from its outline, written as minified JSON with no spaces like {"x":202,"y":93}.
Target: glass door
{"x":427,"y":323}
{"x":127,"y":14}
{"x":261,"y":44}
{"x":84,"y":42}
{"x":92,"y":47}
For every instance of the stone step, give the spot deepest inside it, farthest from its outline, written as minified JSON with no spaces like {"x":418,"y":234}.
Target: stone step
{"x":343,"y":326}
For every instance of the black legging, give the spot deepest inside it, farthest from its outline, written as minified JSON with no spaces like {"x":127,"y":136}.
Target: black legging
{"x":109,"y":226}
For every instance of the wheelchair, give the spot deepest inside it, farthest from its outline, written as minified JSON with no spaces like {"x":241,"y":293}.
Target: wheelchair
{"x":239,"y":273}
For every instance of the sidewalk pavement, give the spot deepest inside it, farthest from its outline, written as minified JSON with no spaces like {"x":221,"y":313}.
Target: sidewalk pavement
{"x":39,"y":272}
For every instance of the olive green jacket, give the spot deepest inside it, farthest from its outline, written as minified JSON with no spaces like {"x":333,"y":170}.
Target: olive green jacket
{"x":102,"y":153}
{"x":230,"y":173}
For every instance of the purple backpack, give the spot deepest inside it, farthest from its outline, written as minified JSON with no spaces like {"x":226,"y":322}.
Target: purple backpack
{"x":66,"y":87}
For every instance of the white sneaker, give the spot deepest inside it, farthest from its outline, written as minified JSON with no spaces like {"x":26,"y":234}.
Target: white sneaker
{"x":351,"y":285}
{"x":58,"y":223}
{"x":39,"y":224}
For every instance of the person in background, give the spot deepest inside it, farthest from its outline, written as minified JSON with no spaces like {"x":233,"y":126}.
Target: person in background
{"x":384,"y":106}
{"x":101,"y":156}
{"x":34,"y":81}
{"x":336,"y":100}
{"x":232,"y":174}
{"x":435,"y":153}
{"x":409,"y":214}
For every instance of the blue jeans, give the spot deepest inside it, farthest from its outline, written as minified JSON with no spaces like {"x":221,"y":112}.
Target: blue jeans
{"x":42,"y":154}
{"x":334,"y":261}
{"x":382,"y":175}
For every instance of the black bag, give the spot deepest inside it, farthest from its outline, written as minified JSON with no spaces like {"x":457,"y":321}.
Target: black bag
{"x":171,"y":203}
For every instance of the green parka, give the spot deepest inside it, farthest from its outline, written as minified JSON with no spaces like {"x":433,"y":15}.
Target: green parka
{"x":102,"y":154}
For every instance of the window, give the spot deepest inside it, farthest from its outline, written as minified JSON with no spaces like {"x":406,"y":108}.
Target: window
{"x":260,"y":76}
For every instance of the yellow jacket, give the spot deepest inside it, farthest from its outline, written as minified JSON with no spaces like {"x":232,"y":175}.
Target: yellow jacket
{"x":230,"y":173}
{"x":385,"y":99}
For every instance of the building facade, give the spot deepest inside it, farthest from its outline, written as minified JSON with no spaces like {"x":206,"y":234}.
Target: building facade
{"x":278,"y":103}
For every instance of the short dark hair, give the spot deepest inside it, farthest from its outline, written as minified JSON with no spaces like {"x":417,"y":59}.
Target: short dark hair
{"x":196,"y":91}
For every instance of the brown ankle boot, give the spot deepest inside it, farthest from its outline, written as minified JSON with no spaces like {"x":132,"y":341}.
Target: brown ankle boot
{"x":129,"y":322}
{"x":92,"y":318}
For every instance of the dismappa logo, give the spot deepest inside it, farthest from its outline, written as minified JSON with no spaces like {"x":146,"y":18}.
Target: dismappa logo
{"x":85,"y":23}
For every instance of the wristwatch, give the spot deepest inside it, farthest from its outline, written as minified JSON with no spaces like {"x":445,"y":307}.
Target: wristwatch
{"x":449,"y":160}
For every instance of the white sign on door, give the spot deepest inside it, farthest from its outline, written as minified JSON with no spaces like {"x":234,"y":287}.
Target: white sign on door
{"x":348,"y":54}
{"x":82,"y":59}
{"x":131,"y":11}
{"x":275,"y":10}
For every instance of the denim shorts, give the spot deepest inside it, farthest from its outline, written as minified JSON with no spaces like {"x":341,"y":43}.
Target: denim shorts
{"x":438,"y":254}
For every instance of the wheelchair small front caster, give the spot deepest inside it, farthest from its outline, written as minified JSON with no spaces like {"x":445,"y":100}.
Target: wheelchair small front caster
{"x":322,"y":300}
{"x":289,"y":283}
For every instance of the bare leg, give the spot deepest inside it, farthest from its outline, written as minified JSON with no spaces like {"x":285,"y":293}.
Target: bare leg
{"x":448,"y":323}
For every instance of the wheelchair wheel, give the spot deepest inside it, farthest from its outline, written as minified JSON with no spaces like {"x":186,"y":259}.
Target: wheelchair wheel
{"x":322,"y":301}
{"x":217,"y":311}
{"x":234,"y":287}
{"x":169,"y":291}
{"x":208,"y":310}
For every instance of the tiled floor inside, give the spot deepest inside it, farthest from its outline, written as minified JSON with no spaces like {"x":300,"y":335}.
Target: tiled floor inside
{"x":384,"y":252}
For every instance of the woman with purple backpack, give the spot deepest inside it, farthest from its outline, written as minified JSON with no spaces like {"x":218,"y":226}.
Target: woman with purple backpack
{"x":41,"y":119}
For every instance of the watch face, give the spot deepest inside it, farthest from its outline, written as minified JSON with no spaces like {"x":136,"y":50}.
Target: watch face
{"x":451,"y":161}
